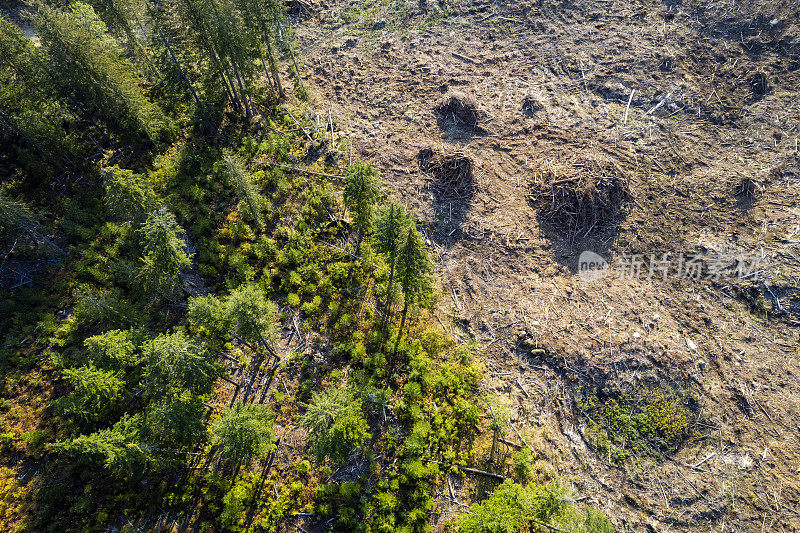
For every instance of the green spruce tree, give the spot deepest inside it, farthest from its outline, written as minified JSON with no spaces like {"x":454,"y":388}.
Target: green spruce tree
{"x":336,"y":424}
{"x":414,"y":271}
{"x":390,"y":226}
{"x":164,"y":254}
{"x":243,"y":433}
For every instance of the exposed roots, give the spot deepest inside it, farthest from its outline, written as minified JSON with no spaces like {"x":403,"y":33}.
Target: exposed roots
{"x":759,"y":84}
{"x":530,"y":106}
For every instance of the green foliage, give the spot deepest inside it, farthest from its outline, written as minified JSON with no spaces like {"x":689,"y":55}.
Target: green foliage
{"x":174,"y":422}
{"x":513,"y":508}
{"x":336,"y":424}
{"x":139,"y":374}
{"x":261,"y":19}
{"x":96,"y":395}
{"x":524,"y":461}
{"x":245,"y":189}
{"x":36,"y":130}
{"x":36,"y":439}
{"x":115,"y":350}
{"x":664,"y":417}
{"x":246,"y":315}
{"x":166,"y":376}
{"x":360,"y":194}
{"x":101,"y":309}
{"x":16,"y":219}
{"x":88,"y":60}
{"x":594,"y":521}
{"x":252,"y":315}
{"x":391,"y":222}
{"x":174,"y":364}
{"x":414,"y":269}
{"x":244,"y":432}
{"x":116,"y":448}
{"x":235,"y":505}
{"x":164,"y":253}
{"x":128,"y":196}
{"x":651,"y":421}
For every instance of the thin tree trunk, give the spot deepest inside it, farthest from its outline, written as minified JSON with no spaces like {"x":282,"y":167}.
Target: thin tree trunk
{"x":215,"y":57}
{"x":400,"y":331}
{"x":243,"y":99}
{"x":229,"y":87}
{"x":248,"y":109}
{"x":268,"y":77}
{"x":274,"y":68}
{"x":388,"y":303}
{"x":296,"y":68}
{"x":177,"y":64}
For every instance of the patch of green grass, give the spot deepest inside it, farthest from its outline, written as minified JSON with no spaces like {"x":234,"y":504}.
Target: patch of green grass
{"x":436,"y":17}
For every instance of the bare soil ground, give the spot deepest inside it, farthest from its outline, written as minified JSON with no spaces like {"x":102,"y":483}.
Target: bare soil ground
{"x":687,"y":99}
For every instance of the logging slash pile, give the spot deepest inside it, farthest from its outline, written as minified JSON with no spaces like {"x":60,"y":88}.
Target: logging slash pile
{"x":451,"y":171}
{"x":580,"y":195}
{"x":459,"y":108}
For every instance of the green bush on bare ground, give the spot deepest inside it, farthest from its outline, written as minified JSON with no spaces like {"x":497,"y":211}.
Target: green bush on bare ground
{"x":645,"y":422}
{"x":514,"y":508}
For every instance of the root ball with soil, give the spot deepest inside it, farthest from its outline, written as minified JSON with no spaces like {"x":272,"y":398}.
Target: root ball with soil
{"x":749,"y":188}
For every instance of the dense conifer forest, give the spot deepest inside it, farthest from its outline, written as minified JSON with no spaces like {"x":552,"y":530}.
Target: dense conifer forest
{"x":214,"y":318}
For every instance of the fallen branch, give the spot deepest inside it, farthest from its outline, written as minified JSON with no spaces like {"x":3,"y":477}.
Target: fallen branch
{"x":512,"y":444}
{"x":775,"y":298}
{"x":710,"y":456}
{"x":298,"y":169}
{"x":693,"y":487}
{"x":470,"y":470}
{"x":658,"y":105}
{"x":628,"y":107}
{"x":465,"y":58}
{"x":299,"y":126}
{"x":481,"y":472}
{"x":519,"y":384}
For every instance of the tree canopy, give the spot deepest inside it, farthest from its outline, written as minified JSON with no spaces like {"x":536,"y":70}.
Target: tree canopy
{"x":244,"y":432}
{"x":336,"y":424}
{"x":164,"y":254}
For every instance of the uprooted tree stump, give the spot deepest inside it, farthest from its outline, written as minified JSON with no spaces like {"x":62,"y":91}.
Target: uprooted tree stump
{"x":459,"y":108}
{"x":578,"y":196}
{"x":300,"y":8}
{"x":452,"y":172}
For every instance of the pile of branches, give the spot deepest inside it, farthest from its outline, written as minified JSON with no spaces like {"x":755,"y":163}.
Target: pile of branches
{"x":459,"y":108}
{"x":583,"y":195}
{"x":300,"y":8}
{"x":749,"y":188}
{"x":452,"y":172}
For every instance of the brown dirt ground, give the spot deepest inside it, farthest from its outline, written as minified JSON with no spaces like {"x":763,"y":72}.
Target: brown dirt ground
{"x":731,"y":71}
